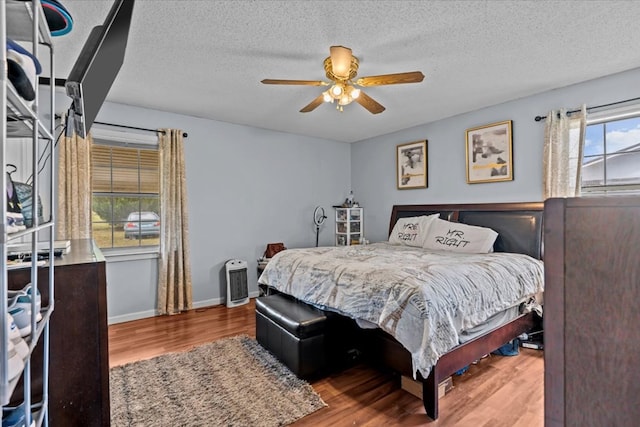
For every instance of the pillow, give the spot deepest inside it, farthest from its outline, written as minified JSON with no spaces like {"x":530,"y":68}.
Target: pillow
{"x":453,"y":236}
{"x":411,"y":231}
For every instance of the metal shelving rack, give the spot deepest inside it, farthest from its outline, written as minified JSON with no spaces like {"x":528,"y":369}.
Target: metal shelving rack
{"x":21,"y":120}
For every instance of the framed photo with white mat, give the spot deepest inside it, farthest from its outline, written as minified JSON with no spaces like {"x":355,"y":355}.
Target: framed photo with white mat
{"x":411,"y":165}
{"x":489,"y":151}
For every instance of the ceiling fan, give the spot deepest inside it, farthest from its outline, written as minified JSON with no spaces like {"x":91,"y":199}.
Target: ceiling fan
{"x":341,"y":68}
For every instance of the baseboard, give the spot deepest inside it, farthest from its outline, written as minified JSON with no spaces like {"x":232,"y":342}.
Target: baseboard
{"x":209,"y":302}
{"x":131,"y":316}
{"x":152,"y":313}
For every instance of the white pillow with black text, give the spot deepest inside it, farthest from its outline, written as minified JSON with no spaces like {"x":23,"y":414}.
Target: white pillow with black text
{"x":456,"y":237}
{"x":411,"y":231}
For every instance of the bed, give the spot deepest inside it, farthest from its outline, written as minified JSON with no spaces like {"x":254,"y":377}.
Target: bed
{"x":427,"y":325}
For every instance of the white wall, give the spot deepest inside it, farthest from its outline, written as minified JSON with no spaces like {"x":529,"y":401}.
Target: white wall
{"x":373,"y":161}
{"x":246,"y":187}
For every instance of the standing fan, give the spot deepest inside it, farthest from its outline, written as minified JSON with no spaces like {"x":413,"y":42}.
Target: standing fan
{"x":318,"y":219}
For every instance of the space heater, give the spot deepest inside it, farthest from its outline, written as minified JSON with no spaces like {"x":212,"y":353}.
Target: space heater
{"x":237,"y":284}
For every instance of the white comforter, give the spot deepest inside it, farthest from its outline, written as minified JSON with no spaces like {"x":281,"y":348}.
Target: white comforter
{"x":423,"y":298}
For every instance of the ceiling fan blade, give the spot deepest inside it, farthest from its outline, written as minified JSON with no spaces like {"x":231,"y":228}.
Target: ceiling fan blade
{"x":391,"y":79}
{"x":341,"y":61}
{"x":294,"y":82}
{"x":369,"y":103}
{"x":313,"y":104}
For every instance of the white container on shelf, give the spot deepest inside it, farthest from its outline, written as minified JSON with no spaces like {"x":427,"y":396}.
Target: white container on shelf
{"x":349,"y":226}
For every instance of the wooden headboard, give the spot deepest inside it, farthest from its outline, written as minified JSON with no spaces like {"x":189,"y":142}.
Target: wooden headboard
{"x":519,"y":225}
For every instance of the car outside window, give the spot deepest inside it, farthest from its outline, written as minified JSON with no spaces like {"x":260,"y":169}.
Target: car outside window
{"x":142,"y":225}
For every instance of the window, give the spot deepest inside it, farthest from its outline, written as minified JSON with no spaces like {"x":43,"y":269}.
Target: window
{"x":125,"y":194}
{"x":611,"y":159}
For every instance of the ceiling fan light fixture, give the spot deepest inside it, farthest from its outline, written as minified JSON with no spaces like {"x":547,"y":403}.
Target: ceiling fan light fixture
{"x":341,"y":61}
{"x":341,"y":68}
{"x":342,"y":71}
{"x":344,"y":100}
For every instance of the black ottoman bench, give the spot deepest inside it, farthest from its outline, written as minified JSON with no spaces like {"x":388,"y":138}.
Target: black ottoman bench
{"x":292,"y":331}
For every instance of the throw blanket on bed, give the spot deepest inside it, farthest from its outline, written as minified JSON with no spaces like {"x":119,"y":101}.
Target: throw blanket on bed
{"x":423,"y":298}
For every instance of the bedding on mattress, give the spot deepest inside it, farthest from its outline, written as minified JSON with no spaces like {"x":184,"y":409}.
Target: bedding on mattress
{"x":425,"y":299}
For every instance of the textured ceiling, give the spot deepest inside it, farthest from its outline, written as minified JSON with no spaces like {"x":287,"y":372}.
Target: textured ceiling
{"x":206,"y":58}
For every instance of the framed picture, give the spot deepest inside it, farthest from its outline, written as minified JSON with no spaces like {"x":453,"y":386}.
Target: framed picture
{"x":411,"y":165}
{"x":489,"y":153}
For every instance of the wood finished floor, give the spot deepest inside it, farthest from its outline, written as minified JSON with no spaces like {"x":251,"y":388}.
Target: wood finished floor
{"x":497,"y":391}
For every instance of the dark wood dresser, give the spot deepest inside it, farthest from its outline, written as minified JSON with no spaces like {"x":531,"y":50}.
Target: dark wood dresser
{"x":591,"y":311}
{"x":79,"y":364}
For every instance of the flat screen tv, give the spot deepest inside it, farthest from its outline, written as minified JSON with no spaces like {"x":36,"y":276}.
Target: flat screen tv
{"x":97,"y":66}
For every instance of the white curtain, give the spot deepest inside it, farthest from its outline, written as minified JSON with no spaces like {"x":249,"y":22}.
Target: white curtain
{"x":174,"y":267}
{"x":74,"y":188}
{"x":562,"y":156}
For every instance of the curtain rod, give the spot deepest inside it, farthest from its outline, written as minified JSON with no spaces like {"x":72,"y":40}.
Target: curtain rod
{"x":184,"y":134}
{"x":540,"y":118}
{"x":61,"y":83}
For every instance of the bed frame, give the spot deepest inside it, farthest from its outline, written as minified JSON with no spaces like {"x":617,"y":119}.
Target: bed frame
{"x":520,"y":230}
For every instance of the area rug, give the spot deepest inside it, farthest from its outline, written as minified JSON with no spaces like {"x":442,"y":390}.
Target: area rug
{"x":230,"y":382}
